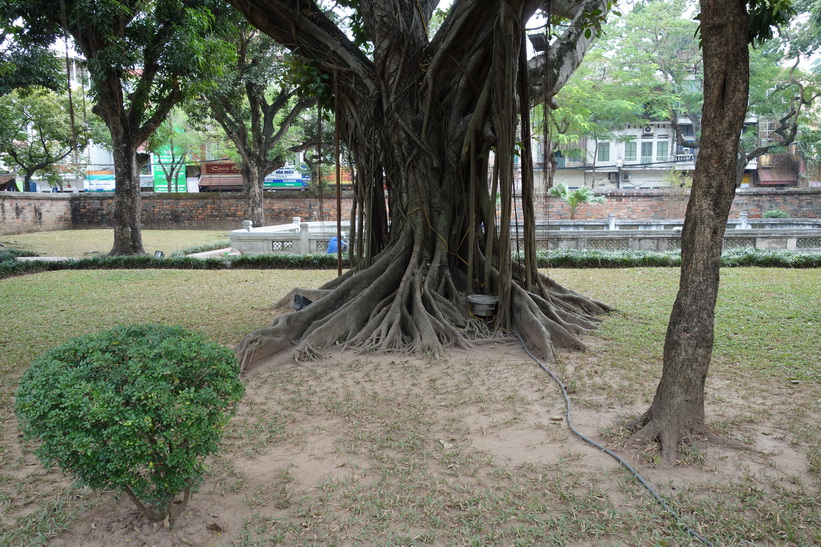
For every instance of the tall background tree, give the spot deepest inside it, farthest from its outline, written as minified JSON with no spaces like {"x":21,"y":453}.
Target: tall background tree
{"x":422,"y":114}
{"x":805,"y":34}
{"x":656,"y":49}
{"x":648,"y":68}
{"x":36,"y":134}
{"x":320,"y":159}
{"x":258,"y":108}
{"x":143,"y":58}
{"x":175,"y":143}
{"x":602,"y":96}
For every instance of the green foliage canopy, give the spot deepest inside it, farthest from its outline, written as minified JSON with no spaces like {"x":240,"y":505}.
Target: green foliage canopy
{"x":159,"y":42}
{"x":25,"y":61}
{"x":36,"y":133}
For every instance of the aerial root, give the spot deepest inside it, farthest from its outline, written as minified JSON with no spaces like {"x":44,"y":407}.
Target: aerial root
{"x":541,"y":328}
{"x":573,"y":301}
{"x":559,"y":313}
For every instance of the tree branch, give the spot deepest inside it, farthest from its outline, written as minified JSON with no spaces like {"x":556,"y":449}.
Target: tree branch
{"x":303,"y":28}
{"x":551,"y":70}
{"x":285,"y":124}
{"x":788,"y":124}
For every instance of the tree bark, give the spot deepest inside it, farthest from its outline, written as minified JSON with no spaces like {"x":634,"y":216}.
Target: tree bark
{"x":254,"y":180}
{"x":127,"y":201}
{"x":27,"y":176}
{"x":677,"y":412}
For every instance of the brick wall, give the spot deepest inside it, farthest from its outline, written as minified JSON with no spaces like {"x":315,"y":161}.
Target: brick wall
{"x":28,"y":212}
{"x":25,"y":212}
{"x":216,"y":211}
{"x":660,"y":204}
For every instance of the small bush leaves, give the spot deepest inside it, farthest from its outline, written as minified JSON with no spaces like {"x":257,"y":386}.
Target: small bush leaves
{"x":134,"y":408}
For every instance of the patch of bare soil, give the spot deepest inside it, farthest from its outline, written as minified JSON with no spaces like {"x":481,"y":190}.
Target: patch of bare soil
{"x":363,"y":449}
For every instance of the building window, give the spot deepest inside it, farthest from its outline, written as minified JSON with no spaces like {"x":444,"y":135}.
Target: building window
{"x":662,"y":151}
{"x":559,"y":158}
{"x":766,"y":132}
{"x":604,"y":152}
{"x":630,"y":151}
{"x":647,"y":152}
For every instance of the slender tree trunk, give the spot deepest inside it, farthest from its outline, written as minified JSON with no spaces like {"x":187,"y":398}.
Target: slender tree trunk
{"x":677,"y":411}
{"x":27,"y":176}
{"x":253,"y":180}
{"x":127,"y":204}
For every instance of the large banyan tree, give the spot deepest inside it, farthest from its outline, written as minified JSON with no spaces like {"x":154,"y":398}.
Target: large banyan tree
{"x":433,"y":123}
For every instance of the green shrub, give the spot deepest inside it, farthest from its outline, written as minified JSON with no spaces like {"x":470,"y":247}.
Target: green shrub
{"x":133,"y":408}
{"x":750,"y":256}
{"x":594,"y":258}
{"x":12,"y":254}
{"x":555,"y":258}
{"x":776,"y":213}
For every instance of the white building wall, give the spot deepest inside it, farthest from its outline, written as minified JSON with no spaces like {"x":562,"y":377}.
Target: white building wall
{"x":638,"y":156}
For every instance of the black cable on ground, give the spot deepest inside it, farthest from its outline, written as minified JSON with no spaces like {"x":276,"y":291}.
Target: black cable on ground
{"x":612,"y":454}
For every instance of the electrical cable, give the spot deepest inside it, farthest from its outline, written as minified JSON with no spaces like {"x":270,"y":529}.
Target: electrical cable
{"x":612,"y":454}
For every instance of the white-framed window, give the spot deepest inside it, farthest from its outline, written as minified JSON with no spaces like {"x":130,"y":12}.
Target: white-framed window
{"x":647,"y":152}
{"x":630,"y":148}
{"x":662,"y":151}
{"x":604,"y":152}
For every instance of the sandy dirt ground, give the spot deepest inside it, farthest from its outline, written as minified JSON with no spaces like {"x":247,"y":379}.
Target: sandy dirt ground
{"x":361,"y":449}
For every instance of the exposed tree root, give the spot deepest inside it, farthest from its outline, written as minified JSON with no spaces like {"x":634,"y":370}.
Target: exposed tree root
{"x":408,"y":302}
{"x":668,"y":439}
{"x":671,"y":436}
{"x":669,"y":433}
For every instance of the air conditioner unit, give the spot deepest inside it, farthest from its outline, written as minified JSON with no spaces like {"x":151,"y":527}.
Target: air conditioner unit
{"x":625,"y":177}
{"x":648,"y":129}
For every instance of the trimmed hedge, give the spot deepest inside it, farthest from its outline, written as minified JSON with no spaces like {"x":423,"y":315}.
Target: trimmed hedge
{"x":135,"y":409}
{"x":592,"y":258}
{"x":561,"y":258}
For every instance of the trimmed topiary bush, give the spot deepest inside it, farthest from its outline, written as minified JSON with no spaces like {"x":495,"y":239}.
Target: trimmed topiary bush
{"x":133,"y":408}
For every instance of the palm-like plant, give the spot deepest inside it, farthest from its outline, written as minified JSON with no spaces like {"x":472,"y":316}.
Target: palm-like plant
{"x":575,"y":198}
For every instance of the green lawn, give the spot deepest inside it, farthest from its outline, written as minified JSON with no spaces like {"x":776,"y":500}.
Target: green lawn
{"x":766,"y":366}
{"x":95,"y":242}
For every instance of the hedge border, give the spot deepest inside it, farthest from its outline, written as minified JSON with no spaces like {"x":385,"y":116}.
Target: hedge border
{"x":745,"y":257}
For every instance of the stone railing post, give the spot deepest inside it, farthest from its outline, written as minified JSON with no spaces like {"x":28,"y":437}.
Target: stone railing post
{"x":304,"y":242}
